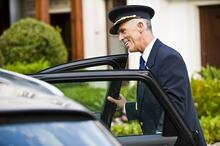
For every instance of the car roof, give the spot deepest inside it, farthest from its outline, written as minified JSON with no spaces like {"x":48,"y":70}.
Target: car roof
{"x":20,"y":80}
{"x":21,"y":92}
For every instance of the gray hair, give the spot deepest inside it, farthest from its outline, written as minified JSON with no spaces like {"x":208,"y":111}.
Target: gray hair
{"x":148,"y":24}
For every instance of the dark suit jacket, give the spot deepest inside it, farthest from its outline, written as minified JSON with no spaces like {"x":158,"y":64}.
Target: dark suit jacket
{"x":168,"y":67}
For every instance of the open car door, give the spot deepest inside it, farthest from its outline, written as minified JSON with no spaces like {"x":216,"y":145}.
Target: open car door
{"x":111,"y":62}
{"x":155,"y":139}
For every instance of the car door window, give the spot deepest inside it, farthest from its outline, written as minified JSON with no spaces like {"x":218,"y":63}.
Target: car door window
{"x":149,"y":112}
{"x":93,"y":95}
{"x":90,"y":94}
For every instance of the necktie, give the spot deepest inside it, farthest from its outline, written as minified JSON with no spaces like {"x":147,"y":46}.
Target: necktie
{"x":142,"y":64}
{"x":140,"y":86}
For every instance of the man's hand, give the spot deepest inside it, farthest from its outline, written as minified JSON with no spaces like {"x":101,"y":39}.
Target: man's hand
{"x":119,"y":102}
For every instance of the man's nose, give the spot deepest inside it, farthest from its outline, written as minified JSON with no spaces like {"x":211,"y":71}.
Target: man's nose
{"x":120,"y":37}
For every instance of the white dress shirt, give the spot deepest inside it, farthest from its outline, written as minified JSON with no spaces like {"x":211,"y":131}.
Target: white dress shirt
{"x":145,"y":56}
{"x":147,"y":50}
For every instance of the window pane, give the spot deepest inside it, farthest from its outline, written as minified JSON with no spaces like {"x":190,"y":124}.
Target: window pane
{"x":90,"y":94}
{"x":70,"y":133}
{"x":146,"y":117}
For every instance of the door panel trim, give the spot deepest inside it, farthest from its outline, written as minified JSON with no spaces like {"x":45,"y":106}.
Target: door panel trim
{"x":147,"y":140}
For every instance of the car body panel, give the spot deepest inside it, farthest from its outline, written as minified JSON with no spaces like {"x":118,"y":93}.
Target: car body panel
{"x":148,"y":140}
{"x":16,"y":80}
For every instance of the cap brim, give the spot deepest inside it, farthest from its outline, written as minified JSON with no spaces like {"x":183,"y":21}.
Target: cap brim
{"x":114,"y":28}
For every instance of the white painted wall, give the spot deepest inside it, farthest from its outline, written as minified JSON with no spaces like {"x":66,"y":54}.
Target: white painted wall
{"x":176,"y":23}
{"x":94,"y":25}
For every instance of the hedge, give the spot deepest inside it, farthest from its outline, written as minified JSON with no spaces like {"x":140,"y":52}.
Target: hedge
{"x":28,"y":40}
{"x":28,"y":68}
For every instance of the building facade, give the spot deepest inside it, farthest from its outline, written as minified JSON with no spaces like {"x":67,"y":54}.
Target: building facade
{"x":192,"y":27}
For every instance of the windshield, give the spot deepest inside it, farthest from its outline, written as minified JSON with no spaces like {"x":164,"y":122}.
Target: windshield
{"x":77,"y":133}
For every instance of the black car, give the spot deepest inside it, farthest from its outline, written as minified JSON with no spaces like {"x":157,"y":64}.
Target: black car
{"x":111,"y":79}
{"x":35,"y":113}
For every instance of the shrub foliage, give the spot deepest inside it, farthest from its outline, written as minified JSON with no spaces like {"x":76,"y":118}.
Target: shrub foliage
{"x":24,"y":68}
{"x":206,"y":93}
{"x":29,"y":40}
{"x":1,"y":59}
{"x":211,"y":128}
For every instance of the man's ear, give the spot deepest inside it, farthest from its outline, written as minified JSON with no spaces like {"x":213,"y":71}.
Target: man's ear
{"x":140,"y":26}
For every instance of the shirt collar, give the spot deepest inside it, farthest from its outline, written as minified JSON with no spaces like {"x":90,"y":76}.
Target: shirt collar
{"x":147,"y":50}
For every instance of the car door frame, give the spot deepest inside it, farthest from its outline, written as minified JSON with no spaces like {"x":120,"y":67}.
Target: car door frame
{"x":117,"y":62}
{"x":144,"y":76}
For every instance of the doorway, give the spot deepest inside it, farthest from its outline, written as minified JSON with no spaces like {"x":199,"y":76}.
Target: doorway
{"x":62,"y":21}
{"x":5,"y":18}
{"x":210,"y":35}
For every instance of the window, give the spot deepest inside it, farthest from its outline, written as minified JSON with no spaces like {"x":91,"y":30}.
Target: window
{"x":68,"y":133}
{"x":89,"y":94}
{"x":147,"y":120}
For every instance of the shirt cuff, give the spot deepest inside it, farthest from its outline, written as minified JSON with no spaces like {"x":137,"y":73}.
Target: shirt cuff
{"x":124,"y":110}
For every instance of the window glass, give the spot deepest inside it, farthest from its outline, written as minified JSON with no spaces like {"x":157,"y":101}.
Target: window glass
{"x":76,"y":133}
{"x":90,"y":94}
{"x":146,"y":116}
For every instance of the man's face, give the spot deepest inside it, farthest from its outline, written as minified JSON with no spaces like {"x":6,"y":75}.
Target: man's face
{"x":129,"y":35}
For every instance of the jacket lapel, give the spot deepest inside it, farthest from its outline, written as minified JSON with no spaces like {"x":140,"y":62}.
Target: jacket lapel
{"x":149,"y":65}
{"x":153,"y":53}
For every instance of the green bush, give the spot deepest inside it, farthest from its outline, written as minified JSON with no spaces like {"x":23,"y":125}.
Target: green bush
{"x":210,"y":73}
{"x":29,"y":40}
{"x":28,"y":68}
{"x":211,"y":128}
{"x":206,"y":94}
{"x":126,"y":128}
{"x":129,"y":92}
{"x":89,"y":96}
{"x":2,"y":60}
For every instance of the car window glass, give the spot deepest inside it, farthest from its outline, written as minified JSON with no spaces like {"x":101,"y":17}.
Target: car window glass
{"x":62,"y":133}
{"x":149,"y":118}
{"x":90,"y":94}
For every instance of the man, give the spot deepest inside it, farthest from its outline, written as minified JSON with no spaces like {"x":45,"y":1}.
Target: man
{"x":133,"y":26}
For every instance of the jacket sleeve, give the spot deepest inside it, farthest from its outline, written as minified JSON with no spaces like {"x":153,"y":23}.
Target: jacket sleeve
{"x":131,"y":111}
